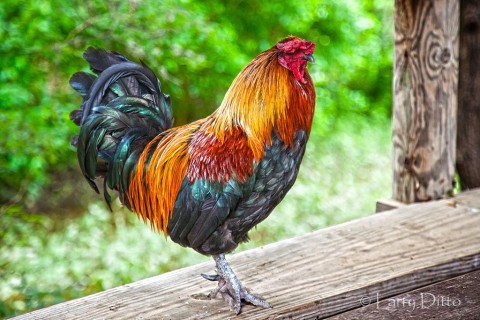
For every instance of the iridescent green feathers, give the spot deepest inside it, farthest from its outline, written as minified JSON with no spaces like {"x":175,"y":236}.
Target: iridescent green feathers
{"x":122,"y":110}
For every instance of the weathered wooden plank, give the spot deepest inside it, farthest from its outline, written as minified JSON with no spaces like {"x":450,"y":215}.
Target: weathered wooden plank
{"x":468,"y":140}
{"x":453,"y":299}
{"x":425,"y":98}
{"x":470,"y":198}
{"x":312,"y":276}
{"x":387,"y":204}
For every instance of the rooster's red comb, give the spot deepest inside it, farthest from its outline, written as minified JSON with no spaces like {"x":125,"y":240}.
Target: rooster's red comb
{"x":292,"y":44}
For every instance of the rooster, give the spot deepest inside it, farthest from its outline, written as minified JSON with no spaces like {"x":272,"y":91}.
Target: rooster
{"x":207,"y":183}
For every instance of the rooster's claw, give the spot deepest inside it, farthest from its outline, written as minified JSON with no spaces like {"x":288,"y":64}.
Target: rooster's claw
{"x":232,"y":291}
{"x":211,"y":277}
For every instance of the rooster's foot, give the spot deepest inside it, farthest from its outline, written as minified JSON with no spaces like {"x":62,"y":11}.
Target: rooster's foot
{"x":231,"y":289}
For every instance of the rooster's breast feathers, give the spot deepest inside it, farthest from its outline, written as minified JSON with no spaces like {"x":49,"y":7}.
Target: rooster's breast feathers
{"x":212,"y":214}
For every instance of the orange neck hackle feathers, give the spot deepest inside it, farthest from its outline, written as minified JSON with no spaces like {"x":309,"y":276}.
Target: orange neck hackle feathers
{"x":264,"y":97}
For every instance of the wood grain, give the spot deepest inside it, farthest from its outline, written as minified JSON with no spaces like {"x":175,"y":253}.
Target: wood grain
{"x":453,"y":299}
{"x":314,"y":276}
{"x":470,"y":198}
{"x":468,"y":141}
{"x":425,"y":98}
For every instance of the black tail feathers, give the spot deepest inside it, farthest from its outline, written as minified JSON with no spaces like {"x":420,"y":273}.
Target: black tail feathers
{"x":123,"y":108}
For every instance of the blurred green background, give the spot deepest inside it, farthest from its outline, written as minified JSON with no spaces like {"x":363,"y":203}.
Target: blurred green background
{"x":57,"y":239}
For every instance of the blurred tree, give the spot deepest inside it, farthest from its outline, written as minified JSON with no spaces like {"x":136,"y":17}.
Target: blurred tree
{"x":195,"y":47}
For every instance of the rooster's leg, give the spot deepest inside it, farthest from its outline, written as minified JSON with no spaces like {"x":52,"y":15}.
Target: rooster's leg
{"x":230,"y":287}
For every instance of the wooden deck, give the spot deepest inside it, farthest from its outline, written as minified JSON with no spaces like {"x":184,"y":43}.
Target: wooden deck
{"x":380,"y":267}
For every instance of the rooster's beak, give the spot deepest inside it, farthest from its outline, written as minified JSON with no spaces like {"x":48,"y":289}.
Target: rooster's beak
{"x":309,"y":57}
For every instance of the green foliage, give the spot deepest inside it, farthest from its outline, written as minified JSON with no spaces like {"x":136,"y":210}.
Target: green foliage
{"x":195,"y":47}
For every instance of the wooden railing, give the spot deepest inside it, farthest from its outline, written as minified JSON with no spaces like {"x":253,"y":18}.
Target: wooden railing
{"x":360,"y":269}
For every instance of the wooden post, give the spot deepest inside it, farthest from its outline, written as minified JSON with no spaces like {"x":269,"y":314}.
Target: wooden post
{"x":425,"y":98}
{"x":468,"y":142}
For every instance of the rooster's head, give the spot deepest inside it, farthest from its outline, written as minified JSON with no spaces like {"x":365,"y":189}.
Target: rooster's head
{"x":294,"y":54}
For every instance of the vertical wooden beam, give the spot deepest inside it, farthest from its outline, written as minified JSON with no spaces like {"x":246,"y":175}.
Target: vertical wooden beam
{"x":468,"y":140}
{"x":425,"y":98}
